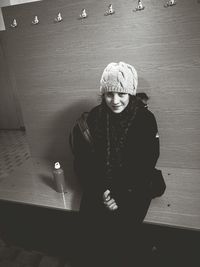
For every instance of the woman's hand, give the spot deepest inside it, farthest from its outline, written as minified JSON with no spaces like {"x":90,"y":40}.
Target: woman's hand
{"x":108,"y":201}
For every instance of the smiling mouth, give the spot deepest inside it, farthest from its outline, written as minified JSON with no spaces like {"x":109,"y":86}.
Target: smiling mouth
{"x":116,"y":107}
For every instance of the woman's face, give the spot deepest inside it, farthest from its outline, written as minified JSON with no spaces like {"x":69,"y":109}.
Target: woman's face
{"x":117,"y":102}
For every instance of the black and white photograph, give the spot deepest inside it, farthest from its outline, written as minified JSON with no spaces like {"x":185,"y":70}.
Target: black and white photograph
{"x":99,"y":133}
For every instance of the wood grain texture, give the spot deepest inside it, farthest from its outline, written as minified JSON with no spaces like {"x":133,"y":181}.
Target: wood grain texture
{"x":58,"y":68}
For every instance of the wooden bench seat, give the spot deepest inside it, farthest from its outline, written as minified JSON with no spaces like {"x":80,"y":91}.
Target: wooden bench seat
{"x":32,"y":183}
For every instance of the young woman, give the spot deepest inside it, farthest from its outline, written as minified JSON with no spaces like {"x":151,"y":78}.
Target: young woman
{"x":115,"y":173}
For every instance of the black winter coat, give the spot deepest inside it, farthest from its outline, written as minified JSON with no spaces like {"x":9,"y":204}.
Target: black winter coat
{"x":140,"y":155}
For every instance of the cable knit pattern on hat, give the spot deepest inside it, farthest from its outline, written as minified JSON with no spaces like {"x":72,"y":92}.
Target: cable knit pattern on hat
{"x":120,"y":78}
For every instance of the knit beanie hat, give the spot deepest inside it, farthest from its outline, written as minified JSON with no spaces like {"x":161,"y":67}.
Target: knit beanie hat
{"x":120,"y":78}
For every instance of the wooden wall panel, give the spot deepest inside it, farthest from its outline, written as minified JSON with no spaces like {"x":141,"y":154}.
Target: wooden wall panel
{"x":58,"y":68}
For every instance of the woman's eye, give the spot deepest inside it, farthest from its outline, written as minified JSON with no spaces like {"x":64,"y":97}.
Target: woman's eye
{"x":109,"y":94}
{"x":121,"y":94}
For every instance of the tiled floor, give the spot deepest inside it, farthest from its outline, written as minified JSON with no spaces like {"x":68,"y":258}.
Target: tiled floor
{"x":14,"y":151}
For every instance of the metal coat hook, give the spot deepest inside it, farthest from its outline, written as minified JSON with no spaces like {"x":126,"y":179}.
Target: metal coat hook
{"x":170,"y":3}
{"x":58,"y":18}
{"x":35,"y":20}
{"x":140,"y":6}
{"x":110,"y":10}
{"x":83,"y":14}
{"x":14,"y":23}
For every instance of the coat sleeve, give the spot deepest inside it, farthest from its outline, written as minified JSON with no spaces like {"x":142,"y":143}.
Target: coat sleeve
{"x":150,"y":149}
{"x":85,"y":164}
{"x":147,"y":146}
{"x":153,"y":143}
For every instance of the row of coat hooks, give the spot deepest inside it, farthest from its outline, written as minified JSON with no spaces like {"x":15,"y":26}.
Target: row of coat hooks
{"x":83,"y":15}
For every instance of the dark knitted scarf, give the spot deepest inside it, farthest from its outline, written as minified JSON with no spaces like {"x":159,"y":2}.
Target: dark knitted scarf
{"x":111,"y":130}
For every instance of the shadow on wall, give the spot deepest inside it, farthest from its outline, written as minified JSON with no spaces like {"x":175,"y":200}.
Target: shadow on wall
{"x":59,"y":148}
